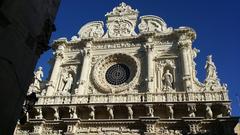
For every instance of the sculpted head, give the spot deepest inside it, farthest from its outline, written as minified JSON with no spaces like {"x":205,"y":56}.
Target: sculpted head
{"x":40,"y":68}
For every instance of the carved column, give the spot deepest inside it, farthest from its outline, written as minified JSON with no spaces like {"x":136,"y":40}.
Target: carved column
{"x":85,"y":70}
{"x":150,"y":55}
{"x":59,"y":54}
{"x":184,"y":44}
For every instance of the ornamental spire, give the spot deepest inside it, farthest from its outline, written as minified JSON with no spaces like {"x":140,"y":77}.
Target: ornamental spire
{"x":121,"y":10}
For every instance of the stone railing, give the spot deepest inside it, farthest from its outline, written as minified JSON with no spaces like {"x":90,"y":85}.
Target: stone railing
{"x":138,"y":97}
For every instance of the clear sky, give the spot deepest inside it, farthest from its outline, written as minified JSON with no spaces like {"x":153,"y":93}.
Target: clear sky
{"x":217,"y":23}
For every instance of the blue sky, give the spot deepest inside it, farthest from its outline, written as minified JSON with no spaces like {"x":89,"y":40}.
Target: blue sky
{"x":217,"y":24}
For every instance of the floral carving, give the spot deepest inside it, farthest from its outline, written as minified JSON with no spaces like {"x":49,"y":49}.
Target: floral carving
{"x":120,"y":28}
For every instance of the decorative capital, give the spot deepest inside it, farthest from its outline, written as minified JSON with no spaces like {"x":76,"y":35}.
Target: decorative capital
{"x":59,"y":42}
{"x":184,"y":41}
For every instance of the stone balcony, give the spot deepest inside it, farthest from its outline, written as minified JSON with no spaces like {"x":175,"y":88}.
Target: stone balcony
{"x":205,"y":96}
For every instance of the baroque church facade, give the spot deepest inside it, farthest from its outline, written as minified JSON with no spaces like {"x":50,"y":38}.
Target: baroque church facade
{"x":123,"y":82}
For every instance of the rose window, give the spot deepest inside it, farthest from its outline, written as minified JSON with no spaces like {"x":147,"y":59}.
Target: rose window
{"x":117,"y":74}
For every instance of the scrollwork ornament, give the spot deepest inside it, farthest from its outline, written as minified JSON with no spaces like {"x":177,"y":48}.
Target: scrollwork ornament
{"x":150,"y":23}
{"x":120,"y":27}
{"x":92,"y":30}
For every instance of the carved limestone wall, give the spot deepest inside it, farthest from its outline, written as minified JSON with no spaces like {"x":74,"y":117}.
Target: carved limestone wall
{"x":121,"y":82}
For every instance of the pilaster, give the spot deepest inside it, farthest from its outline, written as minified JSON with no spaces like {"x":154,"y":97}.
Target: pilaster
{"x":184,"y":45}
{"x":82,"y":88}
{"x":59,"y":55}
{"x":150,"y":74}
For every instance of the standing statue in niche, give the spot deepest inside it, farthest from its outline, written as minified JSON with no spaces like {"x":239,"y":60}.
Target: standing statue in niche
{"x":68,"y":84}
{"x":167,"y":80}
{"x":211,"y":69}
{"x":38,"y":79}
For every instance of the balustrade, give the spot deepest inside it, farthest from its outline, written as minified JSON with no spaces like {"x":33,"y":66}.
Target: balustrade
{"x":136,"y":97}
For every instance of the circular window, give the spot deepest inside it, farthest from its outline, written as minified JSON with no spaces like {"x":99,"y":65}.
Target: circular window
{"x":117,"y":74}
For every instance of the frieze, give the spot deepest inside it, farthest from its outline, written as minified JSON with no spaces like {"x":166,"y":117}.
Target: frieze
{"x":115,"y":45}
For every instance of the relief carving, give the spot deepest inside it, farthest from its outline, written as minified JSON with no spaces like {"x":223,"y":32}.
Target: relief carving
{"x":92,"y":30}
{"x":121,"y":21}
{"x":150,"y":23}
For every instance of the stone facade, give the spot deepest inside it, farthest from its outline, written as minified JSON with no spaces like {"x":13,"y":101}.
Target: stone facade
{"x":120,"y":81}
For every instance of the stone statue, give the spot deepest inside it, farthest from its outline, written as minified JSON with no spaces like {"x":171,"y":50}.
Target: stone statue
{"x":192,"y":109}
{"x":209,"y":113}
{"x":167,"y":80}
{"x":39,"y":116}
{"x":92,"y":113}
{"x":228,"y":110}
{"x":224,"y":86}
{"x":211,"y":69}
{"x":38,"y":78}
{"x":150,"y":111}
{"x":56,"y":114}
{"x":130,"y":112}
{"x":68,"y":84}
{"x":195,"y":52}
{"x":170,"y":112}
{"x":72,"y":112}
{"x":110,"y":111}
